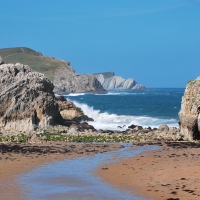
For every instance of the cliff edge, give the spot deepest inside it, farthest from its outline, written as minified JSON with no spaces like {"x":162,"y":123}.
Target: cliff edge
{"x":111,"y":82}
{"x":190,"y":111}
{"x":60,"y":72}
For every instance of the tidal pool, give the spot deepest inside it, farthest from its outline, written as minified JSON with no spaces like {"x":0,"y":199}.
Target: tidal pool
{"x":75,"y":179}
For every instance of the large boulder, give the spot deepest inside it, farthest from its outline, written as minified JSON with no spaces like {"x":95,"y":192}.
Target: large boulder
{"x":69,"y":111}
{"x":1,"y":61}
{"x":189,"y":113}
{"x":27,"y":101}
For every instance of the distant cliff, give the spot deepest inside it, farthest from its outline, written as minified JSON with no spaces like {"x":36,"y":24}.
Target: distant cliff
{"x":111,"y":82}
{"x":60,"y":72}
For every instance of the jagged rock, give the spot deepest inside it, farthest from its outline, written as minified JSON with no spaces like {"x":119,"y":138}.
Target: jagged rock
{"x":33,"y":138}
{"x":1,"y":61}
{"x":190,"y":109}
{"x":67,"y":81}
{"x":60,"y":98}
{"x":163,"y":128}
{"x":111,"y":82}
{"x":132,"y":126}
{"x":69,"y":111}
{"x":137,"y":128}
{"x":27,"y":101}
{"x":86,"y":126}
{"x":138,"y":87}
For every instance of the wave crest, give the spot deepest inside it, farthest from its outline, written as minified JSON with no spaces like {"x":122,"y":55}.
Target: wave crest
{"x":108,"y":121}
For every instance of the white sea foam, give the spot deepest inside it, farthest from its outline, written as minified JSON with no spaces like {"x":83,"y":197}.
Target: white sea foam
{"x":112,"y":121}
{"x":121,"y":93}
{"x":75,"y":94}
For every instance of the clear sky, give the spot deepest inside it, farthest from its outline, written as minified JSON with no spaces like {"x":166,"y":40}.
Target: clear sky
{"x":156,"y":42}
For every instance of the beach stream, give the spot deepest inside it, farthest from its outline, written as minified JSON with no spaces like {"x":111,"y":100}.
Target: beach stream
{"x":75,"y":179}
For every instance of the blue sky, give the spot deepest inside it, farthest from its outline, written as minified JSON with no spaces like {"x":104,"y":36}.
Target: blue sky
{"x":156,"y":42}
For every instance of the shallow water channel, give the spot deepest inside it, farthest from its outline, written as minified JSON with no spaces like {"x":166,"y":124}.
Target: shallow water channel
{"x":74,"y":179}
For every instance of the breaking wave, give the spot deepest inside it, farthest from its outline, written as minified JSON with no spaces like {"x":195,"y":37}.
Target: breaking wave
{"x":104,"y":120}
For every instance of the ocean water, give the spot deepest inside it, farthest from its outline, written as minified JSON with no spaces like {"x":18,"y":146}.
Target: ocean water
{"x":146,"y":108}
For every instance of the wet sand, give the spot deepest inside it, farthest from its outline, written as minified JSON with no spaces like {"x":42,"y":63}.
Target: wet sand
{"x":17,"y":159}
{"x":172,"y":172}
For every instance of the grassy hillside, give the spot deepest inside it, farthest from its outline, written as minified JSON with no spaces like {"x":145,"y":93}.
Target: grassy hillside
{"x":35,"y":60}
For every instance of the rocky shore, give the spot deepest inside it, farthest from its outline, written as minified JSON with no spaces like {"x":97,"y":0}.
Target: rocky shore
{"x":36,"y":127}
{"x":31,"y":112}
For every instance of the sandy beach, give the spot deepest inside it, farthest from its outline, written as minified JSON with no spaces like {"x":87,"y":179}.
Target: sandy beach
{"x":17,"y":159}
{"x":171,"y":173}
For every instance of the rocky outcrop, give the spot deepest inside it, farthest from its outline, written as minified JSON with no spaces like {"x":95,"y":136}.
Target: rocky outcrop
{"x":67,"y":81}
{"x":1,"y":61}
{"x":111,"y":82}
{"x":27,"y":101}
{"x":190,"y":109}
{"x":69,"y":111}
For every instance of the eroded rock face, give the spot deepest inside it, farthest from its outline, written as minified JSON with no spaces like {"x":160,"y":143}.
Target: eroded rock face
{"x":189,"y":113}
{"x":1,"y":61}
{"x":67,"y":81}
{"x":111,"y":82}
{"x":69,"y":111}
{"x":27,"y":101}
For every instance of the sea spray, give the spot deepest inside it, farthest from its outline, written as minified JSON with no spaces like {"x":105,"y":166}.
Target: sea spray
{"x":123,"y":108}
{"x":120,"y":122}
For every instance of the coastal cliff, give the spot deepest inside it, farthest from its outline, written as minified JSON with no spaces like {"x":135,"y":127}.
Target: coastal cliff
{"x":27,"y":101}
{"x":60,"y":72}
{"x":190,"y":109}
{"x":111,"y":82}
{"x":67,"y":81}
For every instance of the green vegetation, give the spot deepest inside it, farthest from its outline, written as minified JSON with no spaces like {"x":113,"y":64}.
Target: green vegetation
{"x":14,"y":138}
{"x":90,"y":138}
{"x":35,"y":60}
{"x":190,"y":81}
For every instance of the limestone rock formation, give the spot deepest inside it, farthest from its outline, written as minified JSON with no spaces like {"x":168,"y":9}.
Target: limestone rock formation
{"x":27,"y":101}
{"x":111,"y":82}
{"x":1,"y":61}
{"x":190,"y":109}
{"x":69,"y":111}
{"x":67,"y":81}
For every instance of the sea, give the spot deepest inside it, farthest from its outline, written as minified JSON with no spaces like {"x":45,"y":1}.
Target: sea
{"x":119,"y":109}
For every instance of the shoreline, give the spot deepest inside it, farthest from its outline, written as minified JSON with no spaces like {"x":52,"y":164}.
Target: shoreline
{"x":19,"y":158}
{"x":171,"y":172}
